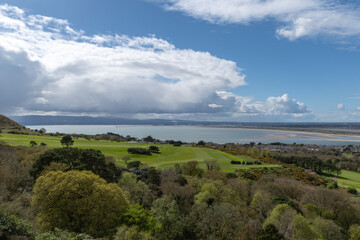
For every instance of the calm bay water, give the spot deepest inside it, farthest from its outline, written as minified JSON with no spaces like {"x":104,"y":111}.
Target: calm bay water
{"x":208,"y":134}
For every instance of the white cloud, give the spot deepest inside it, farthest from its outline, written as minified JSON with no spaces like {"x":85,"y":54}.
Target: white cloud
{"x":272,"y":106}
{"x":300,"y":18}
{"x":340,"y":107}
{"x":358,"y":108}
{"x":47,"y":66}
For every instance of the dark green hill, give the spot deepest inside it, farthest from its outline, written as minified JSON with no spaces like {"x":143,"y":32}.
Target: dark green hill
{"x":6,"y":122}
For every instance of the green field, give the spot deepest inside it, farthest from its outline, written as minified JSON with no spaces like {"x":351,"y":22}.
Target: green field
{"x":349,"y":179}
{"x":169,"y":155}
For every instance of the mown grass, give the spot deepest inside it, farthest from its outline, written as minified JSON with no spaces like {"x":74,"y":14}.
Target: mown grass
{"x":169,"y":155}
{"x":349,"y":179}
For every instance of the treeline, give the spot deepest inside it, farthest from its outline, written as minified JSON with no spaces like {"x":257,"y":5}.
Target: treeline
{"x":312,"y":163}
{"x":246,"y":162}
{"x":319,"y":162}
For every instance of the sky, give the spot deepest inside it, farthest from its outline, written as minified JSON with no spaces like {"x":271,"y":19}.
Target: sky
{"x":228,"y":60}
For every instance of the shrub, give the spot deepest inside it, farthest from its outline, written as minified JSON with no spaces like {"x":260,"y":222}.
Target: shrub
{"x":59,"y":234}
{"x":236,"y":162}
{"x":134,"y":164}
{"x":13,"y":225}
{"x":142,"y":151}
{"x":351,"y":190}
{"x":154,"y":149}
{"x":231,"y":175}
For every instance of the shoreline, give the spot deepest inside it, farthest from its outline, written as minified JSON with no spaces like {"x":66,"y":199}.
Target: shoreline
{"x":342,"y":132}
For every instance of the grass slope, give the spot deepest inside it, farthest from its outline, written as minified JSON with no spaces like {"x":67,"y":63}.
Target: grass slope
{"x":349,"y":179}
{"x":6,"y":122}
{"x":169,"y":156}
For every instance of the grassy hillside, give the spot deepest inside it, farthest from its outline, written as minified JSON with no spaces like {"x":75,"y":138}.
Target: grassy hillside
{"x":169,"y":155}
{"x":6,"y":122}
{"x":349,"y":179}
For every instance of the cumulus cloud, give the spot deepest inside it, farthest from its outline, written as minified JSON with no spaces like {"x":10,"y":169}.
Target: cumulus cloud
{"x":299,"y":18}
{"x":340,"y":107}
{"x":47,"y":66}
{"x":272,"y":106}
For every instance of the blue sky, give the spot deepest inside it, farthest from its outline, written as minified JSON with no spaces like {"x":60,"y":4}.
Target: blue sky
{"x":232,"y":62}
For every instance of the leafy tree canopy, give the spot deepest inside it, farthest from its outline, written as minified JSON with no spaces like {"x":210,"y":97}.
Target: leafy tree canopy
{"x":67,"y":141}
{"x":78,"y":202}
{"x":77,"y":159}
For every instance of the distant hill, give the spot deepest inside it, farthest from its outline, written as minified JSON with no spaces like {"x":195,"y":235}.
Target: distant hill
{"x":83,"y":120}
{"x":86,"y":120}
{"x":6,"y":122}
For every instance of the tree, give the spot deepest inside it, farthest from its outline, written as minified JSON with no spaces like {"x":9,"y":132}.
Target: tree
{"x":78,"y":202}
{"x":154,"y":149}
{"x":12,"y":225}
{"x":43,"y":144}
{"x":42,"y":130}
{"x":281,"y":217}
{"x":135,"y":190}
{"x":354,"y":232}
{"x":67,"y":141}
{"x":130,"y":233}
{"x":138,"y":150}
{"x":191,"y":168}
{"x":168,"y":215}
{"x":301,"y":229}
{"x":134,"y":164}
{"x":77,"y":159}
{"x":138,"y":216}
{"x":33,"y":143}
{"x":327,"y":229}
{"x":211,"y":164}
{"x":270,"y":232}
{"x":220,"y":222}
{"x":149,"y":139}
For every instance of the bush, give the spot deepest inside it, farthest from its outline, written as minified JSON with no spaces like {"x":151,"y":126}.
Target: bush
{"x":13,"y":225}
{"x":134,"y":164}
{"x":142,"y":151}
{"x":236,"y":162}
{"x":231,"y":175}
{"x":351,"y":190}
{"x":154,"y":149}
{"x":59,"y":234}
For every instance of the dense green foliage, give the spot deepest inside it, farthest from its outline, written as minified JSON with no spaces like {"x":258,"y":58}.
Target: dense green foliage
{"x":77,"y":159}
{"x":191,"y":200}
{"x":12,"y":225}
{"x":313,"y":163}
{"x":58,"y":234}
{"x":78,"y":201}
{"x":142,"y":151}
{"x":67,"y":141}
